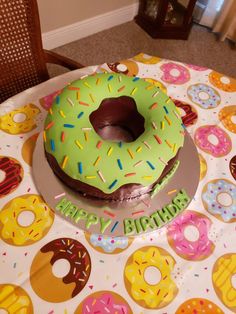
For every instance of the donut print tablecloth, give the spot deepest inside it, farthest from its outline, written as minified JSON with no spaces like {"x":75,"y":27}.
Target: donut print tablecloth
{"x":47,"y":265}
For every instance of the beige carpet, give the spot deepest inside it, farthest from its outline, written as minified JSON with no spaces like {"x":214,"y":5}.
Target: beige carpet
{"x":126,"y":40}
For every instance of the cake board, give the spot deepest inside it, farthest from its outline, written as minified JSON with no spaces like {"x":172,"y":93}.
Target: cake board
{"x":130,"y":218}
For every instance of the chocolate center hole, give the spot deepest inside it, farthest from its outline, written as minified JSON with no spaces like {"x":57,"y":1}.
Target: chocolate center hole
{"x":117,"y":119}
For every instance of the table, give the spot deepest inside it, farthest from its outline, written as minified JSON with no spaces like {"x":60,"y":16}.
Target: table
{"x":196,"y":265}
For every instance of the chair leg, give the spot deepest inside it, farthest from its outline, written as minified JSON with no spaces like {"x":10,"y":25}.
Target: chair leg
{"x":53,"y":57}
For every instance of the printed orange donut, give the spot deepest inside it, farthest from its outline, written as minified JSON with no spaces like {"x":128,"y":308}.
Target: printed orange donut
{"x":107,"y":244}
{"x":225,"y":83}
{"x":156,"y":83}
{"x":198,"y":306}
{"x":227,"y":116}
{"x":189,"y":116}
{"x":21,"y":120}
{"x":102,"y":302}
{"x":11,"y":175}
{"x":28,"y":148}
{"x":127,"y":67}
{"x":61,"y":287}
{"x":203,"y":167}
{"x":14,"y":299}
{"x":224,"y":270}
{"x":146,"y":59}
{"x":25,"y":220}
{"x":147,"y":277}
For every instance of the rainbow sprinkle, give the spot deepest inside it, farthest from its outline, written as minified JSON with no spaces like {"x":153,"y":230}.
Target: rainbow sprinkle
{"x":121,"y":88}
{"x":119,"y":164}
{"x":120,"y":144}
{"x":109,"y":152}
{"x":98,"y":81}
{"x":149,"y":87}
{"x":168,"y":120}
{"x":50,"y":110}
{"x":150,"y":164}
{"x":58,"y":100}
{"x":73,"y":88}
{"x":99,"y":144}
{"x":52,"y":143}
{"x":62,"y":113}
{"x":50,"y":124}
{"x":97,"y":161}
{"x":109,"y":88}
{"x":146,"y":144}
{"x":87,"y":84}
{"x":101,"y":176}
{"x":80,"y":114}
{"x":71,"y":126}
{"x":130,"y":153}
{"x":168,"y":143}
{"x":156,"y":93}
{"x":153,"y":106}
{"x":114,"y":227}
{"x":110,"y":77}
{"x":138,"y":150}
{"x":138,"y":212}
{"x":78,"y":95}
{"x":171,"y":192}
{"x":92,"y":98}
{"x":90,"y":177}
{"x":176,"y":114}
{"x":154,"y":125}
{"x":138,"y":163}
{"x":80,"y":167}
{"x":83,"y":103}
{"x":109,"y":214}
{"x":44,"y":136}
{"x":162,"y":125}
{"x":64,"y":162}
{"x":147,"y":177}
{"x":112,"y":184}
{"x":174,"y":147}
{"x":62,"y":136}
{"x":130,"y":174}
{"x":119,"y":78}
{"x":166,"y":110}
{"x":134,"y":91}
{"x":159,"y":141}
{"x":70,"y":101}
{"x":78,"y":144}
{"x":163,"y":161}
{"x":136,"y":79}
{"x":86,"y":136}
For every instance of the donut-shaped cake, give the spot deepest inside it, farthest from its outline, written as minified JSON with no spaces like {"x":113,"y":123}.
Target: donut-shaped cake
{"x":111,"y":136}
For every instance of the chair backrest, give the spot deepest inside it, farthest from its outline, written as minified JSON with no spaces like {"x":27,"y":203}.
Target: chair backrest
{"x":22,"y":62}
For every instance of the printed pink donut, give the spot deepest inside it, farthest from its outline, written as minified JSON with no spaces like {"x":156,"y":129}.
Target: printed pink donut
{"x":174,"y":73}
{"x":194,"y":250}
{"x":219,"y":149}
{"x":46,"y":101}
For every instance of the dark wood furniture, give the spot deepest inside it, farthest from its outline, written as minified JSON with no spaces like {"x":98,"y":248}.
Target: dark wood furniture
{"x":166,"y":18}
{"x":22,"y":57}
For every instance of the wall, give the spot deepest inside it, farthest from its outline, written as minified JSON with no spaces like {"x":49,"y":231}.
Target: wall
{"x":59,"y":13}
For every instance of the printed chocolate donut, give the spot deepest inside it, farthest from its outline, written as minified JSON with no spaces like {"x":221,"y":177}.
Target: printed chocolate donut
{"x":126,"y":67}
{"x":11,"y":175}
{"x":67,"y":287}
{"x":232,"y":167}
{"x":190,"y":114}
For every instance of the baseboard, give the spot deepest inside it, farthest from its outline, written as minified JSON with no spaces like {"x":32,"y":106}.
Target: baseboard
{"x":72,"y":32}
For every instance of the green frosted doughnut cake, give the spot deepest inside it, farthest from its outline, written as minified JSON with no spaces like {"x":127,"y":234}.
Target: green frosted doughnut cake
{"x":112,"y":137}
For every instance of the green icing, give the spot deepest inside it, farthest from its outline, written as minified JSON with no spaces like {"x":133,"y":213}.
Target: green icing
{"x":66,"y":110}
{"x":160,"y":185}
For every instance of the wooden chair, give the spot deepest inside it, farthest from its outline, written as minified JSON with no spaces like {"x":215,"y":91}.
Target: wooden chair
{"x":22,"y":57}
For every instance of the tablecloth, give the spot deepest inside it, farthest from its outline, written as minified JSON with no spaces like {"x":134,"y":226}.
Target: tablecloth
{"x":188,"y":266}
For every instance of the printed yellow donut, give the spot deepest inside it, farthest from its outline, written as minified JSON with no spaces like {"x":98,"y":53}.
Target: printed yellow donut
{"x":226,"y":115}
{"x":37,"y":216}
{"x":140,"y":276}
{"x":21,"y":120}
{"x":127,"y":67}
{"x":225,"y":83}
{"x":144,"y":58}
{"x":203,"y":167}
{"x":14,"y":299}
{"x":223,"y":271}
{"x":156,"y":83}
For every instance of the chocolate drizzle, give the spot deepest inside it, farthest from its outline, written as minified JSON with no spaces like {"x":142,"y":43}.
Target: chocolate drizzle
{"x":78,"y":257}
